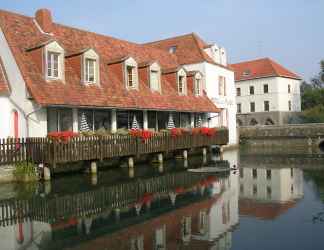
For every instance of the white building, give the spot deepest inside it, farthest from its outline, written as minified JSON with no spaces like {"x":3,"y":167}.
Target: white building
{"x":194,"y":54}
{"x":266,"y":93}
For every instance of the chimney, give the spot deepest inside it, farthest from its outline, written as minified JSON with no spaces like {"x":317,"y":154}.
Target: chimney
{"x":44,"y":19}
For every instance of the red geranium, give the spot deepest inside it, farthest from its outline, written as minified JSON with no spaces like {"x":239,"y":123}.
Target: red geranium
{"x":142,"y":134}
{"x":64,"y":136}
{"x":175,"y":132}
{"x":208,"y":131}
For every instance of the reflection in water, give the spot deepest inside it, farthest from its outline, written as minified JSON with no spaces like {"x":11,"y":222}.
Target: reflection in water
{"x":158,"y":207}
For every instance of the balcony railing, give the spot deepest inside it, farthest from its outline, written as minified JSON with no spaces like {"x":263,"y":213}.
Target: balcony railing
{"x":44,"y":150}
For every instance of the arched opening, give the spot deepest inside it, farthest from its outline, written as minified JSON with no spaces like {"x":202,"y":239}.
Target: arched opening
{"x":321,"y":146}
{"x":269,"y":121}
{"x":15,"y":122}
{"x":239,"y":123}
{"x":253,"y":122}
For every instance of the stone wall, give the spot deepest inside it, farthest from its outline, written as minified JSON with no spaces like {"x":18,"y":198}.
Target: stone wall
{"x":265,"y":118}
{"x":300,"y":135}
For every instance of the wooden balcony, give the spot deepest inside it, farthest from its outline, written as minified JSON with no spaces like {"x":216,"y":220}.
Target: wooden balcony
{"x":93,"y":148}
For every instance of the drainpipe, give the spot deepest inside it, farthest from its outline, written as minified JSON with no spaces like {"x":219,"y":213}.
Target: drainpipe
{"x":27,"y":118}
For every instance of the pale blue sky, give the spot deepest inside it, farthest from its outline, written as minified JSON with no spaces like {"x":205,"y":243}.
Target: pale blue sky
{"x":289,"y":31}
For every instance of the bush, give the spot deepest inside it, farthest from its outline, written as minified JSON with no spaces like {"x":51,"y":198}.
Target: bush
{"x":25,"y":171}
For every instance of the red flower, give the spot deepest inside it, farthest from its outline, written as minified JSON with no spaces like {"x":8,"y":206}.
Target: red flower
{"x":142,"y":134}
{"x":175,"y":132}
{"x":64,"y":136}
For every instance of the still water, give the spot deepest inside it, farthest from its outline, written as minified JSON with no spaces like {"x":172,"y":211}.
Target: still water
{"x":274,"y":201}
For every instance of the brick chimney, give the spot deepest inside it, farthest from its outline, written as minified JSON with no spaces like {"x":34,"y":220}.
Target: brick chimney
{"x":44,"y":19}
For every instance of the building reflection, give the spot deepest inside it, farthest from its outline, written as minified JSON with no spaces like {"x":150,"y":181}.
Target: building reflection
{"x":191,"y":211}
{"x":267,"y":192}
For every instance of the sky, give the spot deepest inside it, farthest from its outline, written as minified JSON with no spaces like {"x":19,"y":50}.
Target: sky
{"x":288,"y":31}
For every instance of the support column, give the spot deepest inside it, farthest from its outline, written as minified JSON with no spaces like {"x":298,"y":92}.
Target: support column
{"x":113,"y":120}
{"x":47,"y":174}
{"x":131,"y":162}
{"x":160,"y":158}
{"x":185,"y":154}
{"x":117,"y":214}
{"x":94,"y":179}
{"x":93,"y":168}
{"x":75,"y":120}
{"x":204,"y":155}
{"x":185,"y":163}
{"x":221,"y":153}
{"x":145,"y":120}
{"x":192,"y":120}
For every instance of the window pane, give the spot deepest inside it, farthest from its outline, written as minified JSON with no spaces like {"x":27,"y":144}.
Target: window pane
{"x":49,"y":64}
{"x":185,"y":120}
{"x":197,"y":88}
{"x":163,"y":118}
{"x":122,"y":119}
{"x":130,"y":76}
{"x":55,"y":65}
{"x":52,"y":120}
{"x":90,"y":70}
{"x":66,"y":120}
{"x":176,"y":119}
{"x":102,"y":120}
{"x":155,"y":80}
{"x":151,"y":117}
{"x":181,"y":84}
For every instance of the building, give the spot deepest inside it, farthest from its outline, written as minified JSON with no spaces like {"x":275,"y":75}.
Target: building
{"x":194,"y":54}
{"x":266,"y":93}
{"x":59,"y":78}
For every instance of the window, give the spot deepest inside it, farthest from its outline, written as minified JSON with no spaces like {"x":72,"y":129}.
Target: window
{"x":265,"y":88}
{"x":251,"y":90}
{"x":289,"y":88}
{"x":289,"y":105}
{"x":197,"y":86}
{"x":59,"y":120}
{"x":155,"y":80}
{"x":182,"y":84}
{"x":246,"y":72}
{"x":268,"y":174}
{"x":172,"y":49}
{"x":239,"y":108}
{"x":203,"y":222}
{"x":254,"y":173}
{"x":292,"y":189}
{"x":238,"y":91}
{"x":252,"y":107}
{"x":269,"y":192}
{"x":90,"y":69}
{"x":255,"y":189}
{"x":53,"y":64}
{"x":130,"y":76}
{"x":291,"y":172}
{"x":266,"y":106}
{"x":222,"y":85}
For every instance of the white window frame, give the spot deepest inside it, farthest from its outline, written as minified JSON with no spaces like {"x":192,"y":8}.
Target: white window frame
{"x":182,"y":75}
{"x":198,"y":84}
{"x":90,"y":55}
{"x":54,"y":48}
{"x":130,"y":62}
{"x":155,"y":67}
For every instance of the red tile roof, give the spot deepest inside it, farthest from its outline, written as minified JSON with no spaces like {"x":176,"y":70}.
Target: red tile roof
{"x":4,"y":88}
{"x":264,"y":210}
{"x":24,"y":37}
{"x":189,"y":48}
{"x":260,"y":68}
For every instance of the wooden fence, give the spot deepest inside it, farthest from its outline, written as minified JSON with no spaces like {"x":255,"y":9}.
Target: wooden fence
{"x":43,"y":150}
{"x":52,"y":207}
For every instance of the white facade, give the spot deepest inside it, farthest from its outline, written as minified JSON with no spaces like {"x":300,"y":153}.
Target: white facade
{"x":32,"y":120}
{"x":279,"y":94}
{"x":225,"y":100}
{"x":275,"y":185}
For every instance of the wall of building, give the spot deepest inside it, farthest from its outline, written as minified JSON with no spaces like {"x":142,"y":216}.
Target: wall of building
{"x":5,"y":117}
{"x":18,"y":96}
{"x":227,"y":103}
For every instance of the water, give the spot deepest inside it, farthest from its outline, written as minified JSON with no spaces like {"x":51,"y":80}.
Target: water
{"x":274,"y":201}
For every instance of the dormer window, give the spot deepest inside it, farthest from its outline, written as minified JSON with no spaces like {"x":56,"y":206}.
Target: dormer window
{"x":246,"y":72}
{"x":90,"y":67}
{"x":155,"y":77}
{"x":182,"y":88}
{"x":172,"y":49}
{"x":54,"y":61}
{"x":131,"y":75}
{"x":53,"y":64}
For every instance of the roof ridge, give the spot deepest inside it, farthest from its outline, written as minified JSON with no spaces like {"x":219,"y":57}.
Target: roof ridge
{"x":169,"y":38}
{"x":253,"y":60}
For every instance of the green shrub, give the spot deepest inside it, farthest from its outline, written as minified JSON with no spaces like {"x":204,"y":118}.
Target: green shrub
{"x":25,"y":171}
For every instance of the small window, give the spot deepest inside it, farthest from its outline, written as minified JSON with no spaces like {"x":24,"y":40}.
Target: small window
{"x":90,"y":70}
{"x":130,"y":76}
{"x":251,"y":90}
{"x":289,"y":88}
{"x":181,"y":84}
{"x":53,"y":64}
{"x":269,"y":173}
{"x":254,"y":173}
{"x":292,"y":189}
{"x":222,"y":85}
{"x":265,"y":88}
{"x":155,"y":80}
{"x":198,"y":86}
{"x":238,"y":91}
{"x":246,"y":72}
{"x":289,"y":105}
{"x":252,"y":107}
{"x":172,"y":49}
{"x":266,"y":106}
{"x":239,"y":108}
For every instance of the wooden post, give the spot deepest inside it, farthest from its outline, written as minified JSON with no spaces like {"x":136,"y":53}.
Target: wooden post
{"x":160,"y":158}
{"x":113,"y":120}
{"x":185,"y":154}
{"x":161,"y":168}
{"x":94,"y":179}
{"x":145,"y":120}
{"x":47,"y":174}
{"x":185,"y":163}
{"x":204,"y":155}
{"x":93,"y":168}
{"x":130,"y":162}
{"x":131,"y":172}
